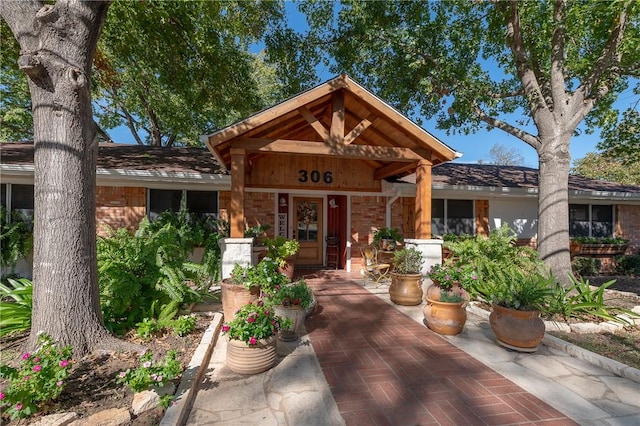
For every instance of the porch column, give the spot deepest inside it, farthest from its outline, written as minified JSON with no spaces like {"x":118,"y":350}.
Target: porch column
{"x":423,"y":200}
{"x":236,"y":206}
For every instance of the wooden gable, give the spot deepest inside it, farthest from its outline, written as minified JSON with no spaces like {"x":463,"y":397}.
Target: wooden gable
{"x":338,"y":119}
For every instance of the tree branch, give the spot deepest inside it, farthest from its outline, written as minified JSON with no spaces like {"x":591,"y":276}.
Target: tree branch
{"x":557,"y":57}
{"x":608,"y":62}
{"x":526,"y":75}
{"x":14,"y":13}
{"x":512,"y":130}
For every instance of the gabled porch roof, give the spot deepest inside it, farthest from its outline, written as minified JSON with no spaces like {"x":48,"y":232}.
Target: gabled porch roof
{"x":337,"y":118}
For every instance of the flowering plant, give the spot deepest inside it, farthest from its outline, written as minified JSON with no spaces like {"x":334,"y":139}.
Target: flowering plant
{"x":39,"y":378}
{"x":150,"y":373}
{"x":446,"y":275}
{"x":264,"y":275}
{"x":253,"y":322}
{"x":294,"y":294}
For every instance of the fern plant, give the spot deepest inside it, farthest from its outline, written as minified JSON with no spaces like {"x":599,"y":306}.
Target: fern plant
{"x":16,"y":238}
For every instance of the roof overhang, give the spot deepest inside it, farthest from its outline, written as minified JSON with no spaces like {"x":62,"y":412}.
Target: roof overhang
{"x":337,"y":118}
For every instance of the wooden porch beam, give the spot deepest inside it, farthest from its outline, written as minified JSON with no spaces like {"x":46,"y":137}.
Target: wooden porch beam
{"x":236,"y":206}
{"x":365,"y":152}
{"x":338,"y":118}
{"x":394,"y":169}
{"x":314,"y":122}
{"x":358,"y":129}
{"x":423,"y":200}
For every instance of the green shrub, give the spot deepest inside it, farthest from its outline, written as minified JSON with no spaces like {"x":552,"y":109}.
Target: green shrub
{"x":16,"y":238}
{"x":580,"y":300}
{"x":585,"y":266}
{"x":628,"y":265}
{"x":16,"y":304}
{"x":151,"y":374}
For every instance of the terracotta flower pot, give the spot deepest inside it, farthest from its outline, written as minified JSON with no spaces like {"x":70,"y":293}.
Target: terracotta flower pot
{"x":406,"y":289}
{"x":518,"y":330}
{"x":296,"y":314}
{"x":444,"y":317}
{"x":234,"y":296}
{"x":245,"y":359}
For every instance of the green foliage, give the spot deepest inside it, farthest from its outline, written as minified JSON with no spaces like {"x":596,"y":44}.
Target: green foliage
{"x":39,"y":378}
{"x":16,"y":305}
{"x":514,"y":288}
{"x":157,"y":78}
{"x":256,"y":231}
{"x":628,"y":265}
{"x":386,"y":234}
{"x":296,"y":293}
{"x":447,"y":274}
{"x":16,"y":238}
{"x":265,"y":275}
{"x":585,"y":266}
{"x":142,"y":270}
{"x":601,"y":240}
{"x":254,"y":322}
{"x":180,"y":326}
{"x":598,"y":166}
{"x":620,"y":140}
{"x":152,"y":373}
{"x":580,"y":300}
{"x":280,"y":249}
{"x":407,"y":261}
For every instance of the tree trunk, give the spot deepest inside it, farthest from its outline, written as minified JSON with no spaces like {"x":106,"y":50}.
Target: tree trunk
{"x":57,"y":46}
{"x":553,"y":205}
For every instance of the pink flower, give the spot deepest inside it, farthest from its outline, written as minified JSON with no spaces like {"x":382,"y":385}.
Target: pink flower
{"x":59,"y":383}
{"x":159,"y":379}
{"x":64,"y":363}
{"x":253,"y":341}
{"x":153,"y":376}
{"x":122,"y":374}
{"x":147,"y":364}
{"x":36,"y":359}
{"x":26,"y":356}
{"x":37,"y":367}
{"x":251,"y":319}
{"x":26,"y":378}
{"x":18,"y":406}
{"x":1,"y":396}
{"x":225,"y":328}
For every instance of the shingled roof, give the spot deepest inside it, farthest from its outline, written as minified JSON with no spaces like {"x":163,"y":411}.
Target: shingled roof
{"x":200,"y":160}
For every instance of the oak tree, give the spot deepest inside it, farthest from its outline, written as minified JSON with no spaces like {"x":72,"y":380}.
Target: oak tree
{"x":536,"y":70}
{"x":57,"y":42}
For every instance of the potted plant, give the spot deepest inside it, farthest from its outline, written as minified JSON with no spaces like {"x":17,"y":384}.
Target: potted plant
{"x":292,"y":301}
{"x":247,"y":283}
{"x":517,"y":295}
{"x":386,"y":238}
{"x":406,"y":277}
{"x":283,"y":251}
{"x":251,"y":347}
{"x":445,"y":311}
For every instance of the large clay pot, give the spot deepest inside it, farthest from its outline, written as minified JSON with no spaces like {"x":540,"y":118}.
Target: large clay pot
{"x":444,"y":317}
{"x":245,"y":359}
{"x":235,"y":296}
{"x":288,"y":269}
{"x":406,"y":289}
{"x":296,"y":314}
{"x":518,"y":330}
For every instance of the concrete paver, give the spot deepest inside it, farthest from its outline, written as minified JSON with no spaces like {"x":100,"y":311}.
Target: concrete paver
{"x":336,"y":375}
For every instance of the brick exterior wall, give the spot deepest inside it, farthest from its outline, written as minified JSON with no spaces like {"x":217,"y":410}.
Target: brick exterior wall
{"x":259,"y":210}
{"x":628,"y":225}
{"x":119,"y":207}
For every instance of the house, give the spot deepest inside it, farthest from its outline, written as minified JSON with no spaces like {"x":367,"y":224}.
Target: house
{"x":334,"y":162}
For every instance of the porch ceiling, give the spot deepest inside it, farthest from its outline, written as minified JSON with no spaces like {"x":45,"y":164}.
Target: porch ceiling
{"x":338,"y":118}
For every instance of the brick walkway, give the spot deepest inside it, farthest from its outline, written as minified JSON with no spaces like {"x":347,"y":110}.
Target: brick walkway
{"x":384,"y":368}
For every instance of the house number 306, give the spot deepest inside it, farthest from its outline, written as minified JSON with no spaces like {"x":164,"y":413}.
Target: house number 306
{"x":314,"y":176}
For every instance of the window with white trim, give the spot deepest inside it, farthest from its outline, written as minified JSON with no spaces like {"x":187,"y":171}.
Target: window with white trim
{"x":590,"y":220}
{"x":452,"y":217}
{"x":198,"y":203}
{"x":18,"y":198}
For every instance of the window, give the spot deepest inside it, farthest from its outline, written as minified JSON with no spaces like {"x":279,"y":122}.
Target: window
{"x":198,"y":203}
{"x":586,"y":220}
{"x":452,"y":217}
{"x":22,"y":200}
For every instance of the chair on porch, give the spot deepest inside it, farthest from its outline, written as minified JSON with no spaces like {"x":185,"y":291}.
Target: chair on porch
{"x":371,"y":268}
